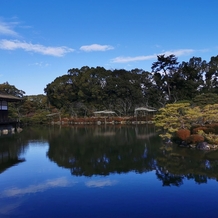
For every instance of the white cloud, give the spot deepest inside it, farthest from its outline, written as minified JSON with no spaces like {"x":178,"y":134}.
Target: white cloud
{"x":179,"y":52}
{"x":7,"y":29}
{"x":131,"y":59}
{"x":37,"y":48}
{"x":59,"y":182}
{"x":96,"y":47}
{"x":101,"y":183}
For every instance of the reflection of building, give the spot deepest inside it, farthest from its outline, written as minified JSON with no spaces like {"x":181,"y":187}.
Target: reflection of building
{"x":8,"y":158}
{"x":6,"y":162}
{"x":7,"y":125}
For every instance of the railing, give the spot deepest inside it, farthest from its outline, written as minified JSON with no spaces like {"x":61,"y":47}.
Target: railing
{"x":8,"y":121}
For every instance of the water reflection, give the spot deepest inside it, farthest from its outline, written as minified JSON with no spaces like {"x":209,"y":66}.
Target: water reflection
{"x":54,"y":183}
{"x":10,"y":150}
{"x":176,"y":164}
{"x":13,"y":147}
{"x":105,"y":150}
{"x":102,"y":150}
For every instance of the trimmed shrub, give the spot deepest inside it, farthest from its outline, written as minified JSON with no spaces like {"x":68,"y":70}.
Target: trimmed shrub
{"x":204,"y":128}
{"x":183,"y":134}
{"x":195,"y":138}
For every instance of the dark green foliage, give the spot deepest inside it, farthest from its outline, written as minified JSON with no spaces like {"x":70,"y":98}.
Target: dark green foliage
{"x":84,"y":90}
{"x":205,"y":99}
{"x":11,"y":90}
{"x":97,"y":89}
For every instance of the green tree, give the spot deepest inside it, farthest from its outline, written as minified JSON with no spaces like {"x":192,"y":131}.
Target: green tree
{"x":211,"y":76}
{"x":163,"y":70}
{"x":191,"y":78}
{"x":171,"y":118}
{"x":11,"y":90}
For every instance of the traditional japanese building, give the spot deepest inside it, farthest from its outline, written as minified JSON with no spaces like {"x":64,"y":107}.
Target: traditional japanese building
{"x":6,"y":124}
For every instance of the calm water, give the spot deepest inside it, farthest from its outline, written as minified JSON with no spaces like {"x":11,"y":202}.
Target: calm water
{"x":104,"y":171}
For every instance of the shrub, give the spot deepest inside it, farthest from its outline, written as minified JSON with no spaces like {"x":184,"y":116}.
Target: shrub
{"x":204,"y":128}
{"x":195,"y":138}
{"x":183,"y":134}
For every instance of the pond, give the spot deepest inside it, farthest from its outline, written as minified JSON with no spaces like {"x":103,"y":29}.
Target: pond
{"x":104,"y":171}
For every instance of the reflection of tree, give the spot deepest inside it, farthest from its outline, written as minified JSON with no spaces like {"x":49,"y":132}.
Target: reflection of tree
{"x":101,"y":150}
{"x":13,"y":146}
{"x":176,"y":164}
{"x":106,"y":149}
{"x":167,"y":178}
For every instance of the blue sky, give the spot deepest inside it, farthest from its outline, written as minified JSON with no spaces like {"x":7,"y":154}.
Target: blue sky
{"x":41,"y":39}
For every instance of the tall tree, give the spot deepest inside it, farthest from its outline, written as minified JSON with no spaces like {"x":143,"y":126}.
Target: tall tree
{"x":211,"y":76}
{"x":163,"y":70}
{"x":191,"y":74}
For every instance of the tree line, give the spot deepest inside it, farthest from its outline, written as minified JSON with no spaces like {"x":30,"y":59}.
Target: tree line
{"x":82,"y":91}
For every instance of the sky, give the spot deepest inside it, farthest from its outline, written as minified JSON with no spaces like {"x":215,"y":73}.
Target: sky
{"x":41,"y":40}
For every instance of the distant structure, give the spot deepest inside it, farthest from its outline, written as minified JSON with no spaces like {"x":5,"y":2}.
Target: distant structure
{"x":7,"y":125}
{"x":105,"y":112}
{"x":147,"y":110}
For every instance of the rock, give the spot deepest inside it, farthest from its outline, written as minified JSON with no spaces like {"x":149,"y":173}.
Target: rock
{"x":184,"y":144}
{"x":192,"y":145}
{"x":212,"y":146}
{"x":203,"y":146}
{"x":168,"y":141}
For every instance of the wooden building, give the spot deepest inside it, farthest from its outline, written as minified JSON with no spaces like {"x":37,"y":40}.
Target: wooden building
{"x":6,"y":124}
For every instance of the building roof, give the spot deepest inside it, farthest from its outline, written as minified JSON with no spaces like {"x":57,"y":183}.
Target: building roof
{"x":104,"y":112}
{"x":145,"y":109}
{"x":8,"y":97}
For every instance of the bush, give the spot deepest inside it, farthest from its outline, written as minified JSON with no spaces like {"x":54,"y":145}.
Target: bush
{"x":195,"y":138}
{"x":183,"y":134}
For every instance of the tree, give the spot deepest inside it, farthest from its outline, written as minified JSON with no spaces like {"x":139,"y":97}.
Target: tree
{"x":163,"y":70}
{"x":211,"y":76}
{"x":205,"y":99}
{"x":171,"y":118}
{"x":11,"y":90}
{"x":191,"y":74}
{"x":62,"y":92}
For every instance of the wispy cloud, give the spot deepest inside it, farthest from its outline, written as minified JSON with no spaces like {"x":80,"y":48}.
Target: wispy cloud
{"x":96,"y":47}
{"x":101,"y":183}
{"x":59,"y":182}
{"x":179,"y":52}
{"x":7,"y":29}
{"x":37,"y":48}
{"x":40,"y":64}
{"x":131,"y":59}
